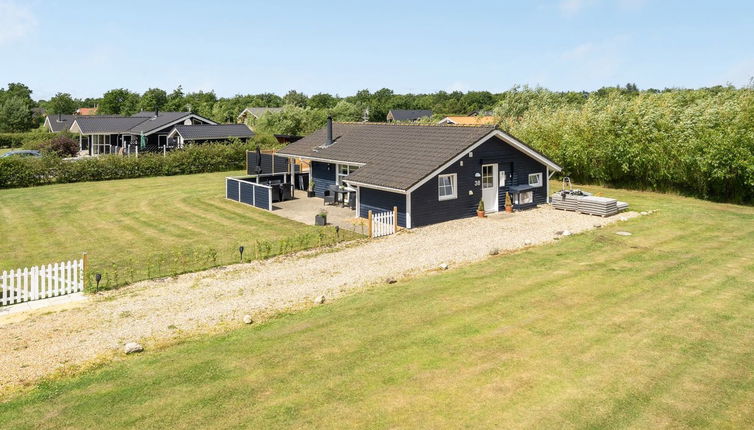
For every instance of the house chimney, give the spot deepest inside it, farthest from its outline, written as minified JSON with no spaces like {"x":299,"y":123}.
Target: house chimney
{"x":329,"y":131}
{"x":60,"y":117}
{"x":156,"y":112}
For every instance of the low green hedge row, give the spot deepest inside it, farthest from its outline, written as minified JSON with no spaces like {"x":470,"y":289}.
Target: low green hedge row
{"x":26,"y":140}
{"x":17,"y":172}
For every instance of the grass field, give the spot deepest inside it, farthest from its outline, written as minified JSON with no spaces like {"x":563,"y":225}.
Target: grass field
{"x":141,"y":228}
{"x":594,"y":331}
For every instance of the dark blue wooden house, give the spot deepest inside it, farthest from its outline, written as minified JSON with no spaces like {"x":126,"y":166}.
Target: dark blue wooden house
{"x":431,"y":173}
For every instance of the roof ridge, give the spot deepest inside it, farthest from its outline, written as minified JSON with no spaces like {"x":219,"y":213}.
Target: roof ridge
{"x":413,"y":124}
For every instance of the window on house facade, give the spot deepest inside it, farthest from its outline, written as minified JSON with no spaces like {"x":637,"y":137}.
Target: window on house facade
{"x":446,"y":187}
{"x":524,"y":197}
{"x":343,"y":171}
{"x":535,"y":179}
{"x":501,"y":182}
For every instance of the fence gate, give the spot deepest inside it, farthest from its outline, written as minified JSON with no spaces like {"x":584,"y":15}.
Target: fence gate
{"x":382,"y":223}
{"x":41,"y":282}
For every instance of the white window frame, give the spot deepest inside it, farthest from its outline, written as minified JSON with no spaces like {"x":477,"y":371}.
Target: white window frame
{"x":339,"y":176}
{"x":538,"y":182}
{"x":453,"y":186}
{"x":520,"y":194}
{"x":503,"y":179}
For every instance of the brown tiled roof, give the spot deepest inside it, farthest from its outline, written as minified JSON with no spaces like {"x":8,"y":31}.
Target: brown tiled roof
{"x":394,"y":155}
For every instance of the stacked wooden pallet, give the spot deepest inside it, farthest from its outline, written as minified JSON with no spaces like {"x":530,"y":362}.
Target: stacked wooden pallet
{"x":591,"y":205}
{"x":566,"y":202}
{"x":601,"y":206}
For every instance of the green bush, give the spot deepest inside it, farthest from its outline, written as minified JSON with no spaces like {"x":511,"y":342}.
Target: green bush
{"x":17,"y":172}
{"x":697,"y":142}
{"x":27,"y":140}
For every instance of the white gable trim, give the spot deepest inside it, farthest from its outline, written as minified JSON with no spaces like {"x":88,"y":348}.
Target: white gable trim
{"x":502,"y":135}
{"x":181,"y":119}
{"x":173,"y":132}
{"x":374,"y":187}
{"x":246,"y":111}
{"x":75,"y":124}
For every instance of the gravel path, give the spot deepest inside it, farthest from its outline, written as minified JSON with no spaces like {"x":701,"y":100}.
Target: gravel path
{"x":156,"y":311}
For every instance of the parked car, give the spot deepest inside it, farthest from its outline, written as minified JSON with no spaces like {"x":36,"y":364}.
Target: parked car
{"x":22,"y":153}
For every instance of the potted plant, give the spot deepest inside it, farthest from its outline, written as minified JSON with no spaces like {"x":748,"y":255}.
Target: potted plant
{"x":480,"y":209}
{"x":310,"y":191}
{"x":321,"y":218}
{"x":508,"y":203}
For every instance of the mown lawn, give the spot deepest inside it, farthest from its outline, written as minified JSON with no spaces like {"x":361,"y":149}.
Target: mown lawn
{"x":594,"y":331}
{"x":141,"y":228}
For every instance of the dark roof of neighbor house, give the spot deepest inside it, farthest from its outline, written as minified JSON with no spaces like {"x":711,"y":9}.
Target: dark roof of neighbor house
{"x":107,"y":124}
{"x":398,"y":156}
{"x":209,"y":131}
{"x":162,"y":120}
{"x":395,"y":155}
{"x":62,"y":125}
{"x":409,"y":114}
{"x":259,"y":111}
{"x":142,"y":122}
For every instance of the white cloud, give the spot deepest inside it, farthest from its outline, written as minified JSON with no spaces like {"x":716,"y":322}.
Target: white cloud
{"x":15,"y":21}
{"x":572,"y":7}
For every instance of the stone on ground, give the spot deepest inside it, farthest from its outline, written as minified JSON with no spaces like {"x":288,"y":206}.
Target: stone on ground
{"x":444,"y":266}
{"x":247,"y":319}
{"x":132,"y":347}
{"x":319,"y":300}
{"x":623,"y":233}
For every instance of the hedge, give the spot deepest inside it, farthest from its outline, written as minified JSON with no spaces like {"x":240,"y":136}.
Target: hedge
{"x":18,"y":140}
{"x":18,"y":172}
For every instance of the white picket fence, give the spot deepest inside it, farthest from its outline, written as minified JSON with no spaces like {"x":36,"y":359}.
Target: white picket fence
{"x":41,"y":282}
{"x":383,"y":223}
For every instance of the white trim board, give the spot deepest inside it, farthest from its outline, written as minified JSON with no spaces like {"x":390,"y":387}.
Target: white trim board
{"x":321,"y":160}
{"x":502,"y":135}
{"x":374,"y":187}
{"x":183,"y":118}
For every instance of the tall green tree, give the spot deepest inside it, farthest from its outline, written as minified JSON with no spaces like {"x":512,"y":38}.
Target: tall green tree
{"x":153,"y":99}
{"x":176,"y":101}
{"x":16,"y":114}
{"x":295,"y":98}
{"x":61,"y":103}
{"x":119,"y":101}
{"x":322,"y":101}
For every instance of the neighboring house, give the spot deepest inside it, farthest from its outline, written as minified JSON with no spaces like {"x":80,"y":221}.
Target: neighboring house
{"x":144,"y":131}
{"x":59,"y":122}
{"x":431,"y":173}
{"x":255,"y":112}
{"x":468,"y":120}
{"x":200,"y":133}
{"x":403,"y":115}
{"x":86,"y":111}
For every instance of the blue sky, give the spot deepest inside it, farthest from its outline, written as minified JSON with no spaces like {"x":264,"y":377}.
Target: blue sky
{"x":88,"y":47}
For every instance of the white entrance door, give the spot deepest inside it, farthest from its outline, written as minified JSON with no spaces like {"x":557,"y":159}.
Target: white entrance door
{"x":489,"y":187}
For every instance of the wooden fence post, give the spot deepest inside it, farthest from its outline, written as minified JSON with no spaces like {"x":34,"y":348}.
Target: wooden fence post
{"x":395,"y":219}
{"x":369,"y":223}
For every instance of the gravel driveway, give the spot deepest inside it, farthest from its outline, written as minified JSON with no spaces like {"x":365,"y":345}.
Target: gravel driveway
{"x":157,"y":311}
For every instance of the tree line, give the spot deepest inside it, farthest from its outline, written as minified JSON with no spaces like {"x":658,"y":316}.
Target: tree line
{"x":20,"y":112}
{"x":695,"y":141}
